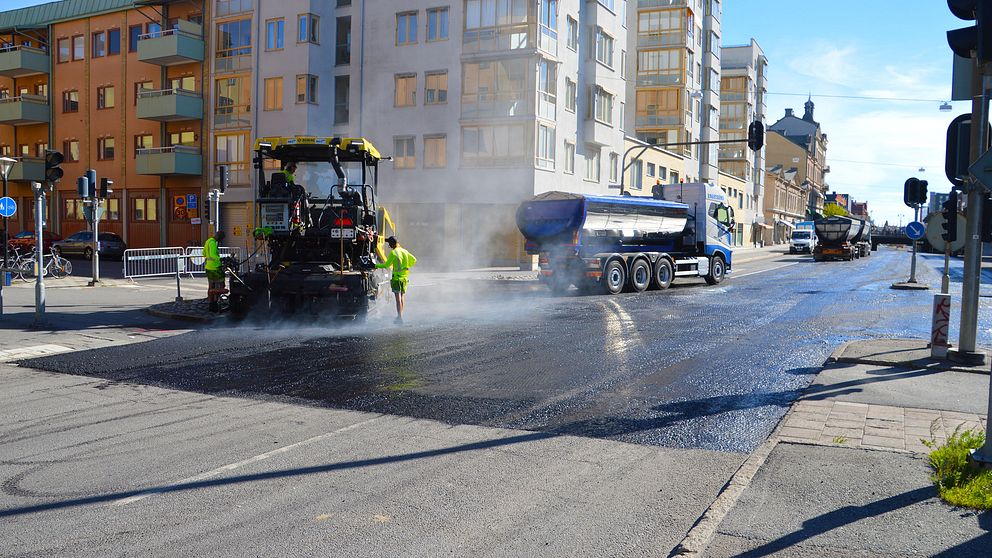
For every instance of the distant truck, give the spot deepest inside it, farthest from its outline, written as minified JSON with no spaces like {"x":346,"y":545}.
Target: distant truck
{"x":841,"y":238}
{"x":803,"y":238}
{"x":615,"y":243}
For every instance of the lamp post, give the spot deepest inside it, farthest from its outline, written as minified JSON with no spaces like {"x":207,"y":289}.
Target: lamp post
{"x":6,"y":163}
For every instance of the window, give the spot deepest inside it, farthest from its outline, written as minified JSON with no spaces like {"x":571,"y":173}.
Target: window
{"x":145,"y":209}
{"x":604,"y":47}
{"x":153,"y":28}
{"x":186,"y":83}
{"x":572,"y":29}
{"x":4,"y":93}
{"x":99,"y":49}
{"x":675,"y":178}
{"x":4,"y":151}
{"x":70,"y":148}
{"x":274,"y":33}
{"x":650,"y":170}
{"x":232,"y":100}
{"x":406,"y":90}
{"x":142,"y":141}
{"x":113,"y":42}
{"x":78,"y":52}
{"x":24,"y":149}
{"x":571,"y":95}
{"x":232,"y":150}
{"x":105,"y":97}
{"x":498,"y":145}
{"x":547,"y":89}
{"x":545,"y":147}
{"x":602,"y":105}
{"x":404,"y":154}
{"x":233,"y":40}
{"x":63,"y":45}
{"x":306,"y":89}
{"x":435,"y":152}
{"x":273,"y":93}
{"x":406,"y":28}
{"x":497,"y":88}
{"x":435,"y":88}
{"x":637,"y":175}
{"x":40,"y":148}
{"x":105,"y":149}
{"x":308,"y":30}
{"x":141,"y":86}
{"x":592,"y":163}
{"x":614,"y":161}
{"x":112,"y":210}
{"x":41,"y":89}
{"x":569,"y":157}
{"x":342,"y":96}
{"x":133,"y":36}
{"x":662,"y":173}
{"x":623,"y":114}
{"x":623,"y":64}
{"x":437,"y":24}
{"x":342,"y":38}
{"x":342,"y":3}
{"x":187,"y":138}
{"x":70,"y":101}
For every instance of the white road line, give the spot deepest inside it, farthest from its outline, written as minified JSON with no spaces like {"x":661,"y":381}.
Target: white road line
{"x":233,"y":466}
{"x":33,"y":351}
{"x":764,"y":270}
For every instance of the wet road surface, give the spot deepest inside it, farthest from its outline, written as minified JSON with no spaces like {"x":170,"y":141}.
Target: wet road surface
{"x":691,"y":367}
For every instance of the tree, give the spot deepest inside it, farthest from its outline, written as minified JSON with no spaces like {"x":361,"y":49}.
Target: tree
{"x":832,"y":209}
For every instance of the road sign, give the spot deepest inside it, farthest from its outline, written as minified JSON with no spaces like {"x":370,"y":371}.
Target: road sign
{"x":935,"y":230}
{"x":191,"y":201}
{"x":8,"y":207}
{"x":916,"y":230}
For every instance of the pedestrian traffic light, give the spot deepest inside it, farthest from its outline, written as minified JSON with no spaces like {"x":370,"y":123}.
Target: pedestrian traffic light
{"x":106,"y":187}
{"x":756,"y":135}
{"x":53,"y":172}
{"x":225,"y":177}
{"x":974,"y":41}
{"x":914,"y":192}
{"x":950,"y":213}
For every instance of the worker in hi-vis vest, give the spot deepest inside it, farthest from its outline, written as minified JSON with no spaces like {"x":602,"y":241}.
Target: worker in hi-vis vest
{"x":215,"y":275}
{"x":400,"y":260}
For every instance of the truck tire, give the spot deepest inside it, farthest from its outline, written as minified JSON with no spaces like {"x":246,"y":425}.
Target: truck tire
{"x":640,"y":276}
{"x":614,"y":277}
{"x":663,"y":274}
{"x":718,"y":270}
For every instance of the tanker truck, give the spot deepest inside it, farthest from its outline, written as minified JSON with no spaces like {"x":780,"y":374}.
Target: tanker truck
{"x":840,"y":238}
{"x":612,"y":244}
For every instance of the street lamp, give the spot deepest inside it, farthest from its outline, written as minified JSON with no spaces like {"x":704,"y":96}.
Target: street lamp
{"x":6,"y":163}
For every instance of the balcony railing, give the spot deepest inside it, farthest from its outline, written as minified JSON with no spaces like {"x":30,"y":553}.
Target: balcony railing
{"x":28,"y":169}
{"x":24,"y":109}
{"x":21,"y":61}
{"x":667,"y":39}
{"x":167,"y":161}
{"x":510,"y":37}
{"x":497,"y":105}
{"x":169,"y":47}
{"x":169,"y":105}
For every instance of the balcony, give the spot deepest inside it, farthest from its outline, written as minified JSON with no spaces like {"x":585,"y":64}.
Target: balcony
{"x":21,"y":61}
{"x":181,"y":45}
{"x":23,"y":110}
{"x":30,"y":169}
{"x":178,"y":160}
{"x":600,"y":133}
{"x":170,"y":105}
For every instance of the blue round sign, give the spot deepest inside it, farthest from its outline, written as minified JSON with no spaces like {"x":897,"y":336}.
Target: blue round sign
{"x":8,"y":207}
{"x":916,"y":230}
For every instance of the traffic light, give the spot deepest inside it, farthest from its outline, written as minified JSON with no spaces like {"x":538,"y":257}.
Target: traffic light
{"x":986,"y":228}
{"x":950,"y":212}
{"x":974,"y":41}
{"x":225,"y":177}
{"x":756,"y":135}
{"x":914,"y":192}
{"x":83,"y":187}
{"x":53,"y":172}
{"x":106,"y":187}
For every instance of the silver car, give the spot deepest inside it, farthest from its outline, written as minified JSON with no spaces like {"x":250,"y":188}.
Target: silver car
{"x":81,"y":244}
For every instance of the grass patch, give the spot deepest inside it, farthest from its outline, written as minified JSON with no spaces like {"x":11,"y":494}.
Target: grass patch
{"x":959,"y":482}
{"x":839,"y":440}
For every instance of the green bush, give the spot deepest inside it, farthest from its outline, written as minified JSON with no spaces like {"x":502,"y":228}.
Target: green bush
{"x":958,"y":481}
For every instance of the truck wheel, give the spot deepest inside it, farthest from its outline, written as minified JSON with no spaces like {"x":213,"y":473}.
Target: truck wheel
{"x":717,"y":270}
{"x":663,"y":273}
{"x":640,"y":276}
{"x":614,"y":277}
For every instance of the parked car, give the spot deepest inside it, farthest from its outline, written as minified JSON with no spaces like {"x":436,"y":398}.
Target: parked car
{"x":81,"y":244}
{"x":24,"y":240}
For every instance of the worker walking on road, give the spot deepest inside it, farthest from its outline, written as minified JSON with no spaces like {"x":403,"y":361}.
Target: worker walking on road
{"x":400,"y":260}
{"x":215,"y":275}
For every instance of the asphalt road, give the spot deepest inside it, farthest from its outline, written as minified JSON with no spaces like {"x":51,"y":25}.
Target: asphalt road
{"x":491,"y":424}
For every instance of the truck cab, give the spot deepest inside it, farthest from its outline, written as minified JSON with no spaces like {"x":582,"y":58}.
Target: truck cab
{"x":803,"y":241}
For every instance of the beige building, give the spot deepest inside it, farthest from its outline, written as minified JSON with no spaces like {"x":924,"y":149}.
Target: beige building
{"x":647,"y":167}
{"x":799,"y":143}
{"x":785,"y":203}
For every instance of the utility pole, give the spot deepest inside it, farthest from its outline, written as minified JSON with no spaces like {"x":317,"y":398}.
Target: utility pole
{"x":39,"y":253}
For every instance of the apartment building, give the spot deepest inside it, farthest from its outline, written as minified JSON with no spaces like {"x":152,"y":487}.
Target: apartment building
{"x":800,"y":144}
{"x":743,"y":87}
{"x":675,"y":79}
{"x":784,"y":203}
{"x":116,"y":88}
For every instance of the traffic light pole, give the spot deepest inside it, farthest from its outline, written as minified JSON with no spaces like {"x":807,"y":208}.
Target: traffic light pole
{"x":39,"y":258}
{"x":912,"y":266}
{"x":96,"y":243}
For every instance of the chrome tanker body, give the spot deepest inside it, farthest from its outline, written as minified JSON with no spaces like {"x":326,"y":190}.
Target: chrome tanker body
{"x":616,"y":243}
{"x":841,"y":238}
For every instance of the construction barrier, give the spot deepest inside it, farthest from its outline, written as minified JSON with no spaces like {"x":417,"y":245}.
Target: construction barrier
{"x":167,"y":262}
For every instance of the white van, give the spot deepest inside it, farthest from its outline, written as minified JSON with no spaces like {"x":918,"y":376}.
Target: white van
{"x":803,"y":240}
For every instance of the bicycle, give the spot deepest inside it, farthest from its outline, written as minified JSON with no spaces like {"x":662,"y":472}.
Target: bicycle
{"x":55,"y":265}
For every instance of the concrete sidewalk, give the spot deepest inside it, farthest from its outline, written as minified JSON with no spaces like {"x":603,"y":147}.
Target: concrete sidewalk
{"x":846,"y":473}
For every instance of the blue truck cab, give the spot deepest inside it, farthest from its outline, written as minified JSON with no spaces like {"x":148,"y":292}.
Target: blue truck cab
{"x":616,"y":243}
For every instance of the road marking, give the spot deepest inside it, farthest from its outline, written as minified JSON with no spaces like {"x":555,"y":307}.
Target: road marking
{"x":32,"y":352}
{"x":764,"y":270}
{"x":233,"y":466}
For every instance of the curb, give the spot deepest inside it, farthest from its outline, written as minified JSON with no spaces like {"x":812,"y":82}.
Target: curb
{"x":837,"y":357}
{"x":180,"y":317}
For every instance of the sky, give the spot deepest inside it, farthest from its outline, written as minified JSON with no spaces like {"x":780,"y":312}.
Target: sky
{"x":866,"y":48}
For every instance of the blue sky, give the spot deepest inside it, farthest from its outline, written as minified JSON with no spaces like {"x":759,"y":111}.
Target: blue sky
{"x":864,"y":48}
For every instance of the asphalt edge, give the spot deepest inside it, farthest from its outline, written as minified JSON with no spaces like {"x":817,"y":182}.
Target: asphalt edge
{"x":837,"y":356}
{"x":180,"y":317}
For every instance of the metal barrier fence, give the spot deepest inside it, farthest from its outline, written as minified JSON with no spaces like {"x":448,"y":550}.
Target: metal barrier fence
{"x":167,"y":262}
